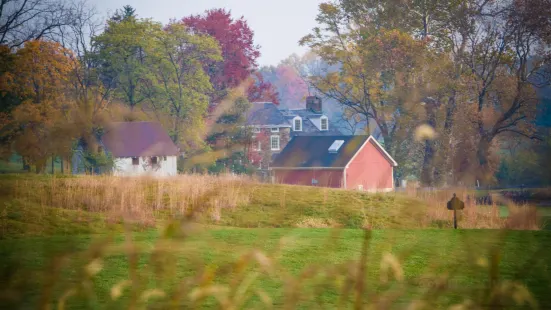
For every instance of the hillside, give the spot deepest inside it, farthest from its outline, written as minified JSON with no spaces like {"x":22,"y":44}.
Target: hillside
{"x":38,"y":205}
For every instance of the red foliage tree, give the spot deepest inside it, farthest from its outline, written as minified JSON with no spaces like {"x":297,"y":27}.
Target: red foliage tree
{"x":291,"y":87}
{"x":261,"y":90}
{"x":237,"y":45}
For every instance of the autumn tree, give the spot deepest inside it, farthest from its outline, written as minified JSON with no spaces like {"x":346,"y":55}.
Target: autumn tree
{"x":508,"y":60}
{"x":480,"y":59}
{"x":380,"y":76}
{"x":292,"y":89}
{"x":40,"y":77}
{"x":261,"y":90}
{"x":239,"y":53}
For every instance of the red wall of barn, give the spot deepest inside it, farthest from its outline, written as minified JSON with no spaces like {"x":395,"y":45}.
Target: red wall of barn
{"x":325,"y":177}
{"x":369,"y":168}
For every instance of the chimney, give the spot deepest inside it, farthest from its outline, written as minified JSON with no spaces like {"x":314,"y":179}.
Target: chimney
{"x":313,"y":103}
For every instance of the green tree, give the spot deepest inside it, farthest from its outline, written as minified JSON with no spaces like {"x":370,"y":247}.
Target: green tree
{"x":178,"y":85}
{"x":121,"y":53}
{"x":231,"y":139}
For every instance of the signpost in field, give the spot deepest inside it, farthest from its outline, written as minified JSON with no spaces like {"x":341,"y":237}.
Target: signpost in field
{"x":455,"y":204}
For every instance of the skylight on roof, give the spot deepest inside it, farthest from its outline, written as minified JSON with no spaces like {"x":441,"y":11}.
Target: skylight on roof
{"x":334,"y":148}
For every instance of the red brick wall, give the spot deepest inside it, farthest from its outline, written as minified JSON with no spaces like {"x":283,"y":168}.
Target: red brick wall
{"x":369,"y":168}
{"x":264,"y":136}
{"x":326,"y":178}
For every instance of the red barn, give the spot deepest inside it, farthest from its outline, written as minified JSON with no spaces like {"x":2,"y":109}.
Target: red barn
{"x":350,"y":162}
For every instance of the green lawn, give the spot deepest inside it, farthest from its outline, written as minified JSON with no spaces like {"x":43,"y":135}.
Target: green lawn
{"x":463,"y":255}
{"x":45,"y":250}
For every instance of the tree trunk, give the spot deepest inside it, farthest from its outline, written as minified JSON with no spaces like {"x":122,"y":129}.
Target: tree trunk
{"x":483,"y":173}
{"x":53,"y":164}
{"x":26,"y":166}
{"x":62,"y":163}
{"x":427,"y":174}
{"x":443,"y":153}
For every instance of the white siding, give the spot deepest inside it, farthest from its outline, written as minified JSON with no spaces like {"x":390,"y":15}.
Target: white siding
{"x":124,"y":167}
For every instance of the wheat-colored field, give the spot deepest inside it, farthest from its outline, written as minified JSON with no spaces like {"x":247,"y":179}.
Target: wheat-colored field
{"x":241,"y":202}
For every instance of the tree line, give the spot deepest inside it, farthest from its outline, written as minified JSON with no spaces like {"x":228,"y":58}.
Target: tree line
{"x":451,"y":85}
{"x":452,"y":88}
{"x":65,"y":73}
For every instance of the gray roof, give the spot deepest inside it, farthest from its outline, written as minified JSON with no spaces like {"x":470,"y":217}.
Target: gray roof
{"x":267,"y":114}
{"x":309,"y":129}
{"x":304,"y":113}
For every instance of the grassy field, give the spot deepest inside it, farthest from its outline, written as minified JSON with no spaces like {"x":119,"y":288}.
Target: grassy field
{"x":303,"y":268}
{"x":223,"y":242}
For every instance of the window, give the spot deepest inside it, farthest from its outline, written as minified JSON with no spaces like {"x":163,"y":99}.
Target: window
{"x":297,"y":124}
{"x":135,"y":161}
{"x":275,"y":129}
{"x":259,"y":146}
{"x":274,"y":142}
{"x":334,"y":148}
{"x":324,"y":123}
{"x":154,"y":160}
{"x":256,"y":130}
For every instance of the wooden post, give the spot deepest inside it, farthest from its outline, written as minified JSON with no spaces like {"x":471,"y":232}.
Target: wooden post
{"x":454,"y":219}
{"x":455,"y":204}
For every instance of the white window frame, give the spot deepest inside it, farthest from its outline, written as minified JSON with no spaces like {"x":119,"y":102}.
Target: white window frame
{"x":294,"y":123}
{"x":326,"y":119}
{"x":274,"y":129}
{"x":272,"y":143}
{"x":258,"y":146}
{"x":256,"y":129}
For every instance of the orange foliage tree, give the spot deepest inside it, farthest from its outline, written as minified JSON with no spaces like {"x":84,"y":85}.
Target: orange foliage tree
{"x":40,"y":79}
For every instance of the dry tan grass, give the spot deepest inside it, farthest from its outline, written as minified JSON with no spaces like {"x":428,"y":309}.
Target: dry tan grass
{"x":139,"y":199}
{"x":146,"y":200}
{"x":477,"y":216}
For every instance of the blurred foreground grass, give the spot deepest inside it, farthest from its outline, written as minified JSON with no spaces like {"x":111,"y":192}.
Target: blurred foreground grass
{"x":437,"y":267}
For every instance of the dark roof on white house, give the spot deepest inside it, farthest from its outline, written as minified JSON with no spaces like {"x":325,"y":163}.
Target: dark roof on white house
{"x":138,"y":139}
{"x":313,"y":152}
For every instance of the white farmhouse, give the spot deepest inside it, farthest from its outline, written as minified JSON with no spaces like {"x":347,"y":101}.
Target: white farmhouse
{"x":140,"y":149}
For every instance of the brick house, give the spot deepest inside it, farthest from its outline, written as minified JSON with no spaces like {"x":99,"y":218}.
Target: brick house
{"x":273,"y":128}
{"x":349,"y":162}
